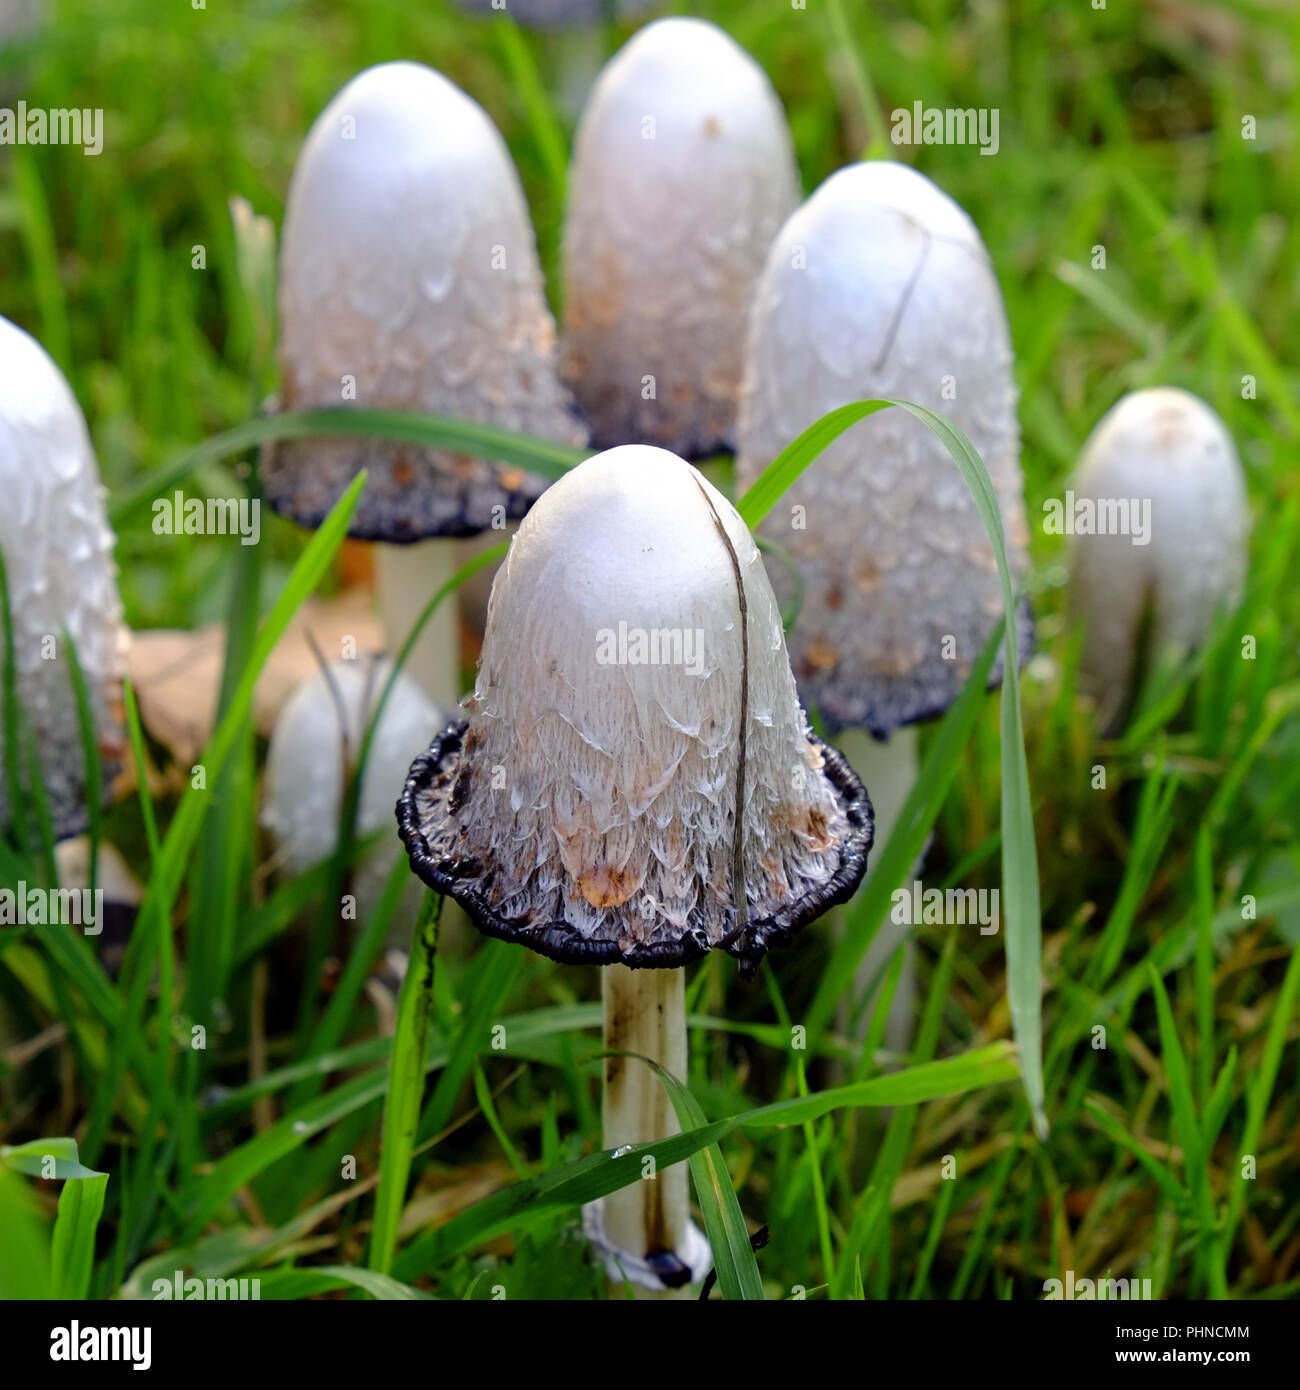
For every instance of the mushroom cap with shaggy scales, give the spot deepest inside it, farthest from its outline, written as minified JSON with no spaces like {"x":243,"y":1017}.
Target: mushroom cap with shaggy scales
{"x":589,"y":807}
{"x":1165,"y":447}
{"x":683,"y":172}
{"x":409,"y":280}
{"x":880,"y":286}
{"x":58,"y":554}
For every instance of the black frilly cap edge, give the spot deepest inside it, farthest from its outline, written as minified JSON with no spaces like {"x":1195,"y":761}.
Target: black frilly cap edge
{"x":458,"y":512}
{"x":559,"y":941}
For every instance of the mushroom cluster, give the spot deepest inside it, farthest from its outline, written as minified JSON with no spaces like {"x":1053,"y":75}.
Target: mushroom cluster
{"x":636,"y":785}
{"x":58,"y":555}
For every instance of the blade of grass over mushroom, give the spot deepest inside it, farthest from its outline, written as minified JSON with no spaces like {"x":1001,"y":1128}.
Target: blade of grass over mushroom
{"x":585,"y":1179}
{"x":733,"y":1256}
{"x":1019,"y":851}
{"x":462,"y":436}
{"x":164,"y":882}
{"x":331,"y":1026}
{"x":915,"y":820}
{"x":405,"y":1085}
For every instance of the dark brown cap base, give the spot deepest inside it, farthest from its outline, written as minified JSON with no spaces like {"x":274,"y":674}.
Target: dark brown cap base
{"x":894,"y":704}
{"x":412,"y":493}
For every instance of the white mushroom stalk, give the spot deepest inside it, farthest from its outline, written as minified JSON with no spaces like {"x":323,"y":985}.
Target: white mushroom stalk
{"x":313,"y":751}
{"x":409,"y":280}
{"x":58,"y":554}
{"x":1169,"y":523}
{"x":683,"y":171}
{"x":637,"y":785}
{"x":880,"y":286}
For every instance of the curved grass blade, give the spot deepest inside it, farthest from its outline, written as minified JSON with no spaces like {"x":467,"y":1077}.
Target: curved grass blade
{"x":405,"y":1085}
{"x":462,"y":436}
{"x":164,"y":882}
{"x":585,"y":1179}
{"x":1023,"y":913}
{"x":733,"y":1256}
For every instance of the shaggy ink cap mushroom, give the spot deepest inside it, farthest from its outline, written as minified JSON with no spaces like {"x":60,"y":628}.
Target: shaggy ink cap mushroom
{"x":683,"y":171}
{"x":880,"y":286}
{"x":58,"y":554}
{"x":588,"y":809}
{"x":1165,"y":454}
{"x":409,"y":268}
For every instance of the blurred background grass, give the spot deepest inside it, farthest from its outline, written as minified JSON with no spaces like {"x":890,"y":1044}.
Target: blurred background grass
{"x":1120,"y":128}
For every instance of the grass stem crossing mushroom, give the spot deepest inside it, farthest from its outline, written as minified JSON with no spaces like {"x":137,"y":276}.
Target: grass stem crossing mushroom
{"x":409,"y":280}
{"x":880,"y":286}
{"x":636,"y":785}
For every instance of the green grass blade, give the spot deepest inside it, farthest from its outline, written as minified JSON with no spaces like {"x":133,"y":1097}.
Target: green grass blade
{"x":724,"y":1224}
{"x":482,"y":441}
{"x":405,"y":1086}
{"x":81,"y":1203}
{"x":164,"y":882}
{"x":1022,"y":915}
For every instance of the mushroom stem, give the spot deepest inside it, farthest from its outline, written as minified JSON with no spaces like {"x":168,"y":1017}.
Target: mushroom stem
{"x":407,"y":577}
{"x":888,"y":771}
{"x":646,"y":1230}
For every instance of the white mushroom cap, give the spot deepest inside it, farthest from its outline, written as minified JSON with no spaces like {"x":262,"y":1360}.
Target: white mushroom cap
{"x":58,"y":554}
{"x":1167,"y":450}
{"x":314,"y":743}
{"x":682,"y":173}
{"x":408,"y":265}
{"x":879,"y":286}
{"x":589,"y":809}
